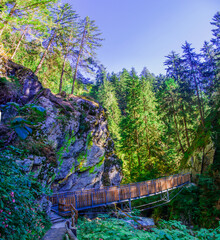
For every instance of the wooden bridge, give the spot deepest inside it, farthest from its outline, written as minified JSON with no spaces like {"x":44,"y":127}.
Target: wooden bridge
{"x":92,"y":198}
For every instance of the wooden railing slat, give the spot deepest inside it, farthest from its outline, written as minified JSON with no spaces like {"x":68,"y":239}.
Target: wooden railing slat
{"x":106,"y":195}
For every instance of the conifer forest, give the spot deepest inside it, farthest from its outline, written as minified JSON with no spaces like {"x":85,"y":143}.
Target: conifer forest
{"x":144,"y":127}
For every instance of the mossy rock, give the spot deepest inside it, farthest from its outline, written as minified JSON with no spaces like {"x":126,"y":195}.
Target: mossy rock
{"x":89,"y":140}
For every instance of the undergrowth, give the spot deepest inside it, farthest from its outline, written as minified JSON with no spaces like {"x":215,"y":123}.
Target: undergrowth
{"x":21,"y":216}
{"x":109,"y":228}
{"x":196,"y":205}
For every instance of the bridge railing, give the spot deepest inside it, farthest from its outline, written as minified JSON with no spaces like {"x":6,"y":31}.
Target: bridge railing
{"x":106,"y":195}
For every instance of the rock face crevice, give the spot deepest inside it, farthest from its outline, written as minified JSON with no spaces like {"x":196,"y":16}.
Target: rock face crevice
{"x":70,"y":148}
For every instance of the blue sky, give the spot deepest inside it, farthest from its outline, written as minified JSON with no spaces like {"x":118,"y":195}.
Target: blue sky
{"x":140,"y":33}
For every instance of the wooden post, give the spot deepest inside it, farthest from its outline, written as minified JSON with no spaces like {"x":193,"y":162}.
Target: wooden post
{"x":130,"y":196}
{"x":139,"y":191}
{"x":58,"y":202}
{"x":121,"y":205}
{"x":129,"y":190}
{"x":130,"y":204}
{"x":106,"y":196}
{"x":92,"y":198}
{"x":76,"y":201}
{"x":155,"y":186}
{"x":147,"y":189}
{"x":119,"y":193}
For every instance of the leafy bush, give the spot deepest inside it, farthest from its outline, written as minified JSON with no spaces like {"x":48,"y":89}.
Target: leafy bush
{"x":27,"y":116}
{"x":20,"y":217}
{"x":116,"y":229}
{"x":196,"y":204}
{"x":21,"y":127}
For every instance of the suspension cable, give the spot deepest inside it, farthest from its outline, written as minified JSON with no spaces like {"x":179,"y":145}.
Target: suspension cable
{"x":149,"y":203}
{"x":161,"y":203}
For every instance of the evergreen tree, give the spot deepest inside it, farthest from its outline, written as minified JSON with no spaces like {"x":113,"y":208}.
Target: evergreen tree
{"x":33,"y":26}
{"x":209,"y":69}
{"x":106,"y":96}
{"x":67,"y":49}
{"x":64,"y":18}
{"x":131,"y":142}
{"x":183,"y":94}
{"x":13,"y":11}
{"x":192,"y":74}
{"x":121,"y":87}
{"x":89,"y":41}
{"x":216,"y":42}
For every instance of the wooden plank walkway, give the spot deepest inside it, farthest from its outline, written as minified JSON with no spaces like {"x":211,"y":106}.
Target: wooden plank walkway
{"x":92,"y":198}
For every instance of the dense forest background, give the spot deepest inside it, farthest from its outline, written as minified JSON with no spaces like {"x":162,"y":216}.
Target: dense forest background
{"x":161,"y":125}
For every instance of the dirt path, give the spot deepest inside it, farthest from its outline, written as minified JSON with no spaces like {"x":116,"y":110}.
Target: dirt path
{"x":57,"y":230}
{"x":55,"y":234}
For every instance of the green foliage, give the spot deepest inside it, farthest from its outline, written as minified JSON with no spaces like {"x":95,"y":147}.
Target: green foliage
{"x":89,"y":41}
{"x":22,"y":123}
{"x":21,"y":127}
{"x":54,"y":30}
{"x":102,"y":159}
{"x":107,"y":97}
{"x":92,"y":169}
{"x":69,"y":140}
{"x":105,"y":227}
{"x":89,"y":141}
{"x":20,"y":217}
{"x":196,"y":205}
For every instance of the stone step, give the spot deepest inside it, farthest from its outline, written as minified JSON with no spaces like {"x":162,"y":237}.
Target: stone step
{"x":54,"y":218}
{"x":58,"y":230}
{"x":58,"y":221}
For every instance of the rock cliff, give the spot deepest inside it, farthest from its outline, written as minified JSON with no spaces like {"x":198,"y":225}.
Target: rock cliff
{"x":66,"y":139}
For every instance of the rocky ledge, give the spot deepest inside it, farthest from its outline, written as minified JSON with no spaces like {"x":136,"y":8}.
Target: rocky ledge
{"x":69,"y":146}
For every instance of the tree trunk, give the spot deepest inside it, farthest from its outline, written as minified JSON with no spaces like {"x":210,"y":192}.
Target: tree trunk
{"x":148,"y":143}
{"x":177,"y":132}
{"x":146,"y":129}
{"x":78,"y":58}
{"x":61,"y":78}
{"x":177,"y":129}
{"x":19,"y":42}
{"x":74,"y":77}
{"x":6,"y":21}
{"x":203,"y":160}
{"x":198,"y":98}
{"x":35,"y":5}
{"x":185,"y":126}
{"x":137,"y":141}
{"x":138,"y":156}
{"x":130,"y":168}
{"x":45,"y":54}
